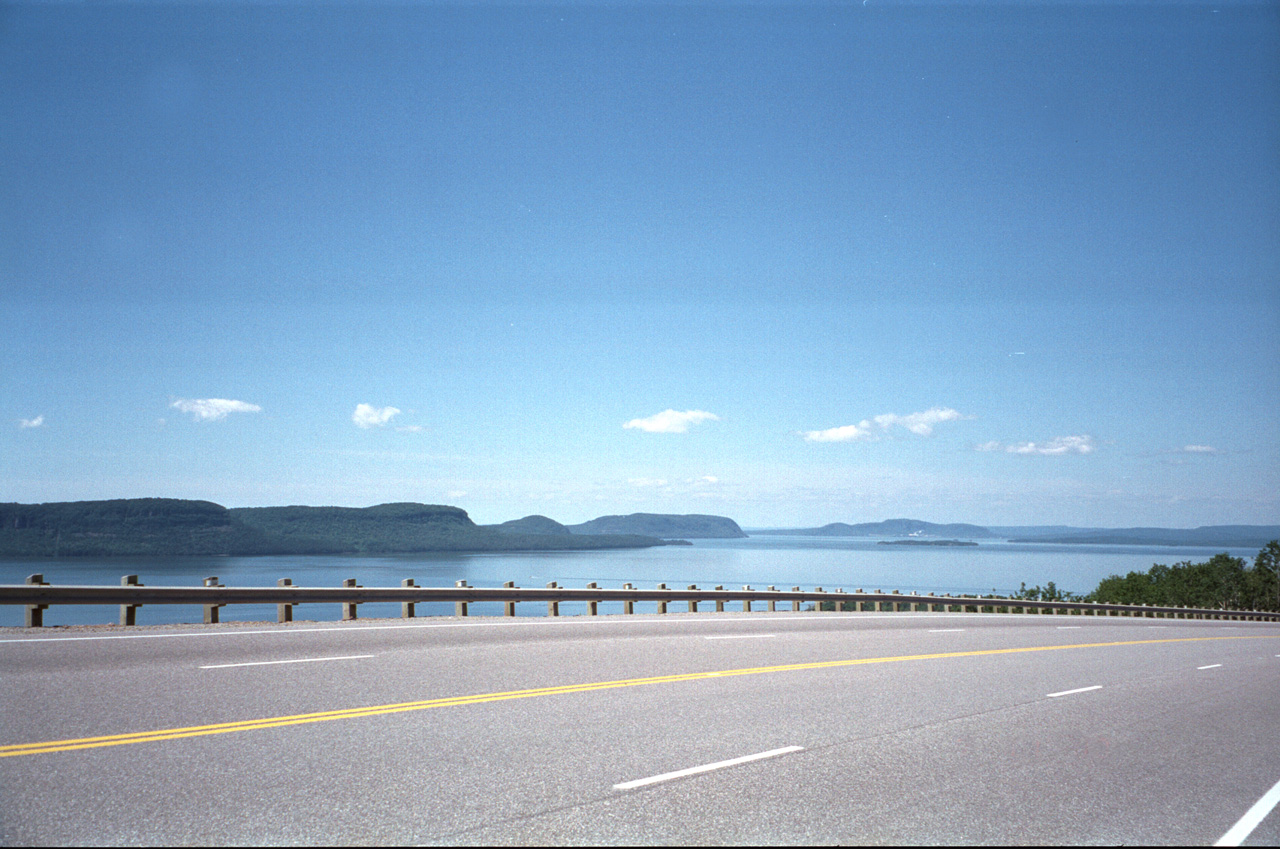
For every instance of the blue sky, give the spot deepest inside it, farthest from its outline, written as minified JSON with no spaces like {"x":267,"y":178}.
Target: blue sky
{"x":790,"y":263}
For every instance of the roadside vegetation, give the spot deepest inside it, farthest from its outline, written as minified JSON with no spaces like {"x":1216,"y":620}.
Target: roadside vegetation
{"x":1222,"y":581}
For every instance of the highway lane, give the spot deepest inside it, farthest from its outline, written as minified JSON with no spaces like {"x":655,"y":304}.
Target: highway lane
{"x":964,"y":746}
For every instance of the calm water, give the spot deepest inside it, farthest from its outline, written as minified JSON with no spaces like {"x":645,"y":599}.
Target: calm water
{"x":758,"y":561}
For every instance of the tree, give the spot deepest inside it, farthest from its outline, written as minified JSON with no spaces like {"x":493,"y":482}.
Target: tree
{"x":1266,"y":568}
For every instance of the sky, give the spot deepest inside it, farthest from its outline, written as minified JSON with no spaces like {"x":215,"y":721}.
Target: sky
{"x":792,"y":263}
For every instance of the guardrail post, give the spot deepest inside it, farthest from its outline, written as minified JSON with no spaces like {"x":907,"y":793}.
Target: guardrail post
{"x":662,"y":605}
{"x":693,"y":602}
{"x":407,"y":607}
{"x":460,"y":607}
{"x":773,"y":604}
{"x":129,"y":612}
{"x":34,"y":617}
{"x":553,"y":606}
{"x":593,"y":605}
{"x":284,"y":612}
{"x":509,"y":607}
{"x":746,"y":602}
{"x":719,"y":601}
{"x":349,"y":607}
{"x":628,"y":606}
{"x":817,"y":605}
{"x":795,"y":604}
{"x":211,"y":610}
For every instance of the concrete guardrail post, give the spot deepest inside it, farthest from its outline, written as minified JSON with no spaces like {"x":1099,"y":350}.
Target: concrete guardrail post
{"x":407,"y":608}
{"x":746,"y":602}
{"x":34,"y":617}
{"x":773,"y":604}
{"x":593,"y":606}
{"x":211,"y":610}
{"x":628,"y":606}
{"x":129,"y":612}
{"x":460,"y":607}
{"x":553,"y":606}
{"x":795,"y":604}
{"x":509,"y":607}
{"x":719,"y":601}
{"x":662,"y":604}
{"x":349,"y":607}
{"x":693,"y":602}
{"x":284,"y":612}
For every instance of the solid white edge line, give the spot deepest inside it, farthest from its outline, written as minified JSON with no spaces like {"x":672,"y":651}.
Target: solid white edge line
{"x":1069,"y":627}
{"x":696,"y":770}
{"x":1210,"y":666}
{"x":737,"y":636}
{"x":1073,"y":692}
{"x":945,"y":630}
{"x":299,"y":660}
{"x":1242,"y":829}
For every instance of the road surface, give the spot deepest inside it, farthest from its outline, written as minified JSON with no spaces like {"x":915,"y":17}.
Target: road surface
{"x":704,"y":728}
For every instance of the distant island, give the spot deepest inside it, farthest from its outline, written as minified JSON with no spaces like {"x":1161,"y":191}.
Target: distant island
{"x":1215,"y":536}
{"x":942,"y":542}
{"x":891,"y":528}
{"x":168,"y":526}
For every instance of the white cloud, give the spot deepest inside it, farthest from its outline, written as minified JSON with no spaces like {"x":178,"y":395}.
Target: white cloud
{"x":989,"y":446}
{"x":211,"y":409}
{"x":847,"y":433}
{"x":1062,"y":445}
{"x":367,"y":415}
{"x":29,"y":423}
{"x":921,"y":424}
{"x":670,"y":421}
{"x":1200,"y":449}
{"x":410,"y":429}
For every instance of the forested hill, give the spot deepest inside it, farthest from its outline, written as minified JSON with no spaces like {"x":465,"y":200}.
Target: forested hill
{"x":665,"y":525}
{"x":165,"y":526}
{"x":892,"y":527}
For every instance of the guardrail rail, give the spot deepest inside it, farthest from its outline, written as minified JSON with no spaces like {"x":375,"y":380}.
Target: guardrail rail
{"x":36,"y":595}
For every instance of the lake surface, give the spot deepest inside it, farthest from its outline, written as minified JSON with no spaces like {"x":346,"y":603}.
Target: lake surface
{"x":758,"y":561}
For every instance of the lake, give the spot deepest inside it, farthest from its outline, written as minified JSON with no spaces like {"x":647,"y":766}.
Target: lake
{"x":758,"y":561}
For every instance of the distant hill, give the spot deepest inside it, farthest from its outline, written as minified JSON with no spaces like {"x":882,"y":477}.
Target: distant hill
{"x":664,"y":525}
{"x":1224,"y":536}
{"x":892,"y":528}
{"x":532,"y":525}
{"x":1232,"y":536}
{"x":165,"y":526}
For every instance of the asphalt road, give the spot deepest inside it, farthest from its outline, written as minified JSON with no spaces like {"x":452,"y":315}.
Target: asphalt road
{"x":869,"y":728}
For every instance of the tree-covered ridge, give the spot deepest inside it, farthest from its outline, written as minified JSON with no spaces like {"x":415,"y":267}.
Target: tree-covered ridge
{"x":665,"y":525}
{"x":1222,"y":581}
{"x":163,"y":526}
{"x":127,"y":526}
{"x":532,"y":525}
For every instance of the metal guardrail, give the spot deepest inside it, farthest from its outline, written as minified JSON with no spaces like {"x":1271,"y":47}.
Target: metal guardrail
{"x":36,"y":595}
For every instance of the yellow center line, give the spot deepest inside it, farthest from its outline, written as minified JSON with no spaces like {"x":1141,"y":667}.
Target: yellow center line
{"x":20,"y":749}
